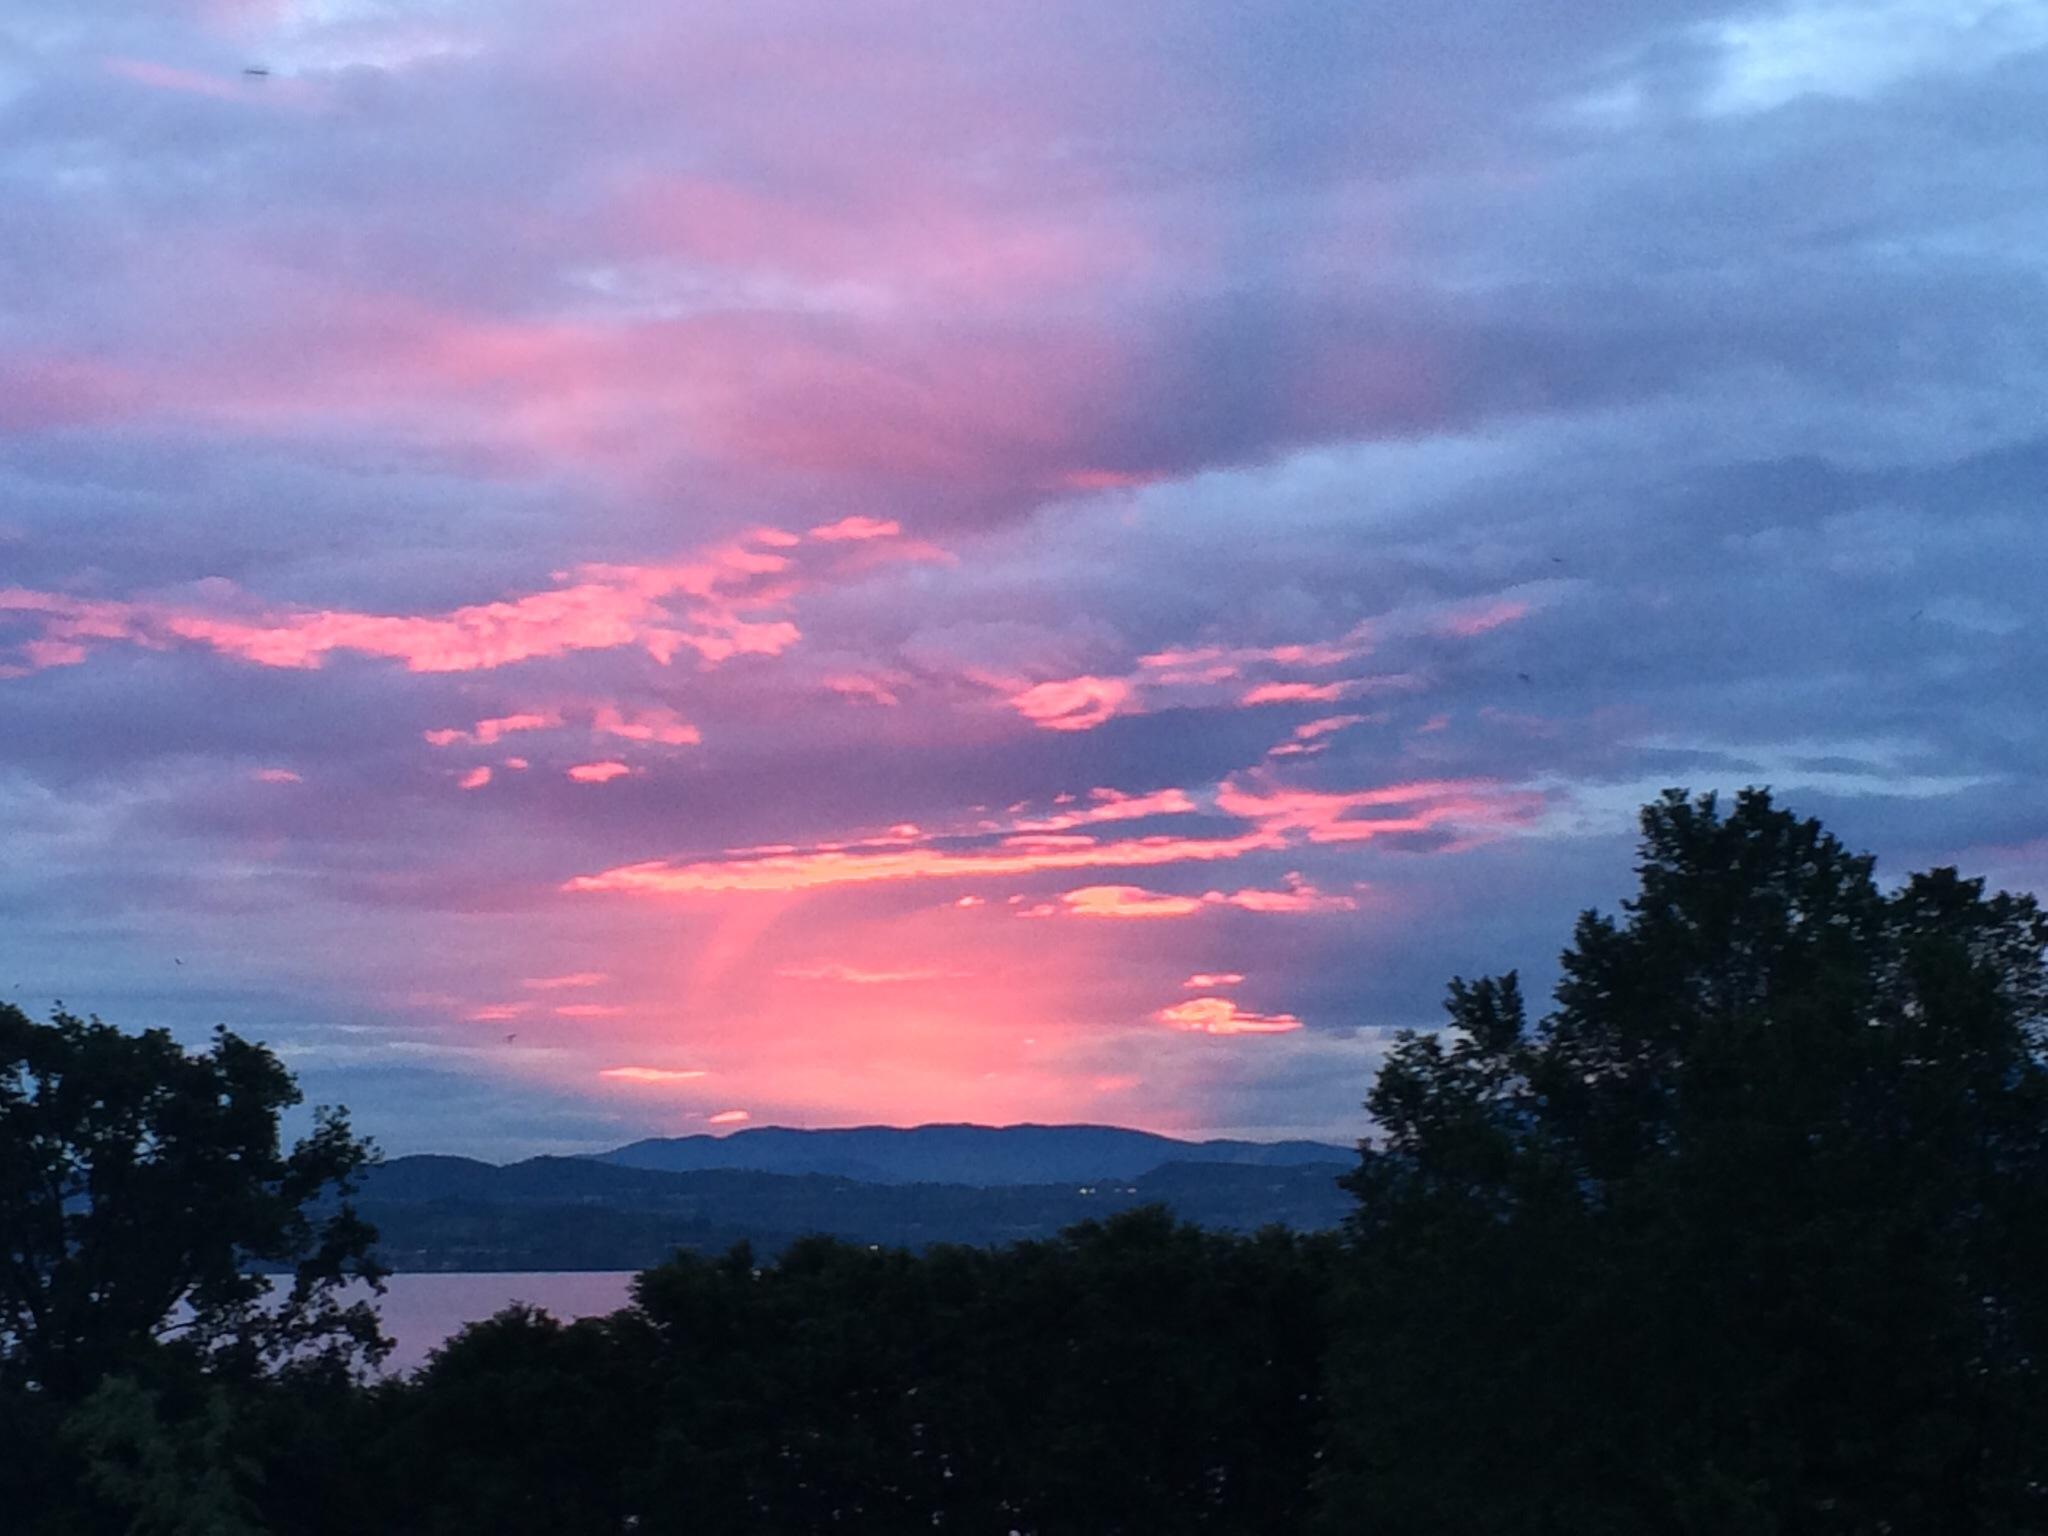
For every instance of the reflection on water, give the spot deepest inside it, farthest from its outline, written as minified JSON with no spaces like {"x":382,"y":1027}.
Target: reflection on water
{"x":423,"y":1311}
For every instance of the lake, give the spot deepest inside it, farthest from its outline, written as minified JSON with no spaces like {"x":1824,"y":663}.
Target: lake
{"x":422,"y":1311}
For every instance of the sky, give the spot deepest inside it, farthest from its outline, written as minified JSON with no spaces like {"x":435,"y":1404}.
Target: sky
{"x":601,"y":571}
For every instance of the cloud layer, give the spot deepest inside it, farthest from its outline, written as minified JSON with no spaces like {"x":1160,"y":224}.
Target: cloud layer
{"x":1028,"y":561}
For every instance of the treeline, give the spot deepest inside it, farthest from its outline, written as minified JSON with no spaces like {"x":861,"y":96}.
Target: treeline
{"x":1747,"y":1234}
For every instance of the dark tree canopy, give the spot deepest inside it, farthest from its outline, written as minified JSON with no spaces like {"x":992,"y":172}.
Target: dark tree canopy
{"x":144,"y":1189}
{"x":1749,"y":1233}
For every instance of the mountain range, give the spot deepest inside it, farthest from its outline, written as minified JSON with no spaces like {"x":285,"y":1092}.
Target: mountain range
{"x":634,"y":1206}
{"x":961,"y":1154}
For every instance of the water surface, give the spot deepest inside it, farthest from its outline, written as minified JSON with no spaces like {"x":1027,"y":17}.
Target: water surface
{"x":423,"y":1311}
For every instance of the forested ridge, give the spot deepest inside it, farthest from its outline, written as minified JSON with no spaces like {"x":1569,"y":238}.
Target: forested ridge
{"x":1748,"y":1233}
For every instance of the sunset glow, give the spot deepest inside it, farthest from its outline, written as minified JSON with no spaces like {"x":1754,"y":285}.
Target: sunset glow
{"x":810,"y":564}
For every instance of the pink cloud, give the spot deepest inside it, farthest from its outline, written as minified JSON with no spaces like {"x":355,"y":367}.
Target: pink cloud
{"x":856,"y":976}
{"x":1297,"y":896}
{"x":1466,"y":620}
{"x":1204,"y":981}
{"x":651,"y":1075}
{"x":730,"y":1117}
{"x":598,"y":773}
{"x":566,"y":981}
{"x":589,"y":1011}
{"x":1131,"y":901}
{"x":496,"y":1013}
{"x":486,"y":732}
{"x":1127,"y":901}
{"x":856,"y":529}
{"x":1218,"y":663}
{"x":1073,"y":703}
{"x":1221,"y":1016}
{"x":1361,"y":815}
{"x":276,"y":776}
{"x":1295,"y":693}
{"x":702,"y":605}
{"x":476,"y":778}
{"x":808,"y":870}
{"x":1273,"y":818}
{"x":654,"y":724}
{"x":168,"y":77}
{"x":867,"y":690}
{"x":1113,"y":805}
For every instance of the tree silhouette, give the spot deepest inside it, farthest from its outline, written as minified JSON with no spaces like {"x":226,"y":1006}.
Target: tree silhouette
{"x":143,"y":1189}
{"x":1747,"y":1234}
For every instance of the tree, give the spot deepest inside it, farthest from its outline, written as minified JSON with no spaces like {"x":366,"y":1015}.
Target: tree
{"x":144,"y":1188}
{"x":1749,"y":1234}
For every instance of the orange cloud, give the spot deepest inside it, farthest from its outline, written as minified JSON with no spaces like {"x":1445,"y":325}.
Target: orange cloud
{"x":1299,"y":896}
{"x":598,"y":773}
{"x":651,"y":1075}
{"x":1135,"y":901}
{"x":1127,"y":901}
{"x":1204,"y":981}
{"x":1275,"y":819}
{"x":799,"y":870}
{"x":1221,"y":1016}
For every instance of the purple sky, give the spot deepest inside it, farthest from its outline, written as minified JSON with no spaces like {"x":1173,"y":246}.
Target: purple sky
{"x":607,"y":570}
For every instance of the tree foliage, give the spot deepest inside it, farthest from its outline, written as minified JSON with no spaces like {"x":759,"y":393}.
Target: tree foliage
{"x":144,"y":1190}
{"x":1745,"y":1235}
{"x":1134,"y":1376}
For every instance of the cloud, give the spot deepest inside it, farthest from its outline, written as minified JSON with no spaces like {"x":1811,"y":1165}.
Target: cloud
{"x":598,"y":773}
{"x":652,"y":1076}
{"x":656,"y":724}
{"x":563,"y":375}
{"x":856,"y":529}
{"x":858,"y":976}
{"x":1206,"y":981}
{"x":1269,"y":820}
{"x":487,"y":732}
{"x":1221,"y":1016}
{"x":568,"y":979}
{"x":1294,"y":693}
{"x":729,"y":1117}
{"x":1297,"y":895}
{"x":1071,"y":704}
{"x":1129,"y":901}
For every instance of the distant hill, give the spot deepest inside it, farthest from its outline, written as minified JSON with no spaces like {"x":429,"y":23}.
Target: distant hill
{"x":560,"y":1213}
{"x":984,"y":1155}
